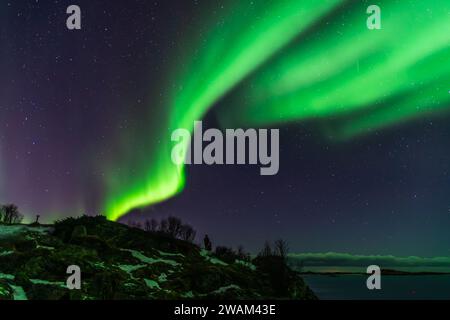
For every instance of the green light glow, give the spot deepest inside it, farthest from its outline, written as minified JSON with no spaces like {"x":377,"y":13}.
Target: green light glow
{"x":282,"y":61}
{"x":342,"y":69}
{"x":232,"y":50}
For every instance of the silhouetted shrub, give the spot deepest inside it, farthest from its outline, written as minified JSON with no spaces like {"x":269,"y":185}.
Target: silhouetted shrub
{"x":266,"y":251}
{"x":172,"y":227}
{"x":281,"y":249}
{"x":274,"y":263}
{"x":187,"y":233}
{"x":225,"y":254}
{"x":163,"y":227}
{"x":228,"y":255}
{"x":151,"y":225}
{"x":242,"y":255}
{"x":63,"y":228}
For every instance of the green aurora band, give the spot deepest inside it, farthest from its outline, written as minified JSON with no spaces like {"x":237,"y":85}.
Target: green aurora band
{"x":275,"y":62}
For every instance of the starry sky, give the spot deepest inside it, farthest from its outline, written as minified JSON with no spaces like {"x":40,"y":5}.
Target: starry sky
{"x":85,"y":117}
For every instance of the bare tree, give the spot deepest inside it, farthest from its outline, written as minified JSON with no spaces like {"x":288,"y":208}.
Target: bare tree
{"x":281,"y":248}
{"x":151,"y":225}
{"x":10,"y":214}
{"x":267,"y":250}
{"x":242,"y":254}
{"x":174,"y":226}
{"x":154,"y":225}
{"x":147,"y":226}
{"x":187,"y":233}
{"x":163,"y":226}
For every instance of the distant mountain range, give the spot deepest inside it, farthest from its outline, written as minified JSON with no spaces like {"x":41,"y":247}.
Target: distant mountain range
{"x":333,"y":262}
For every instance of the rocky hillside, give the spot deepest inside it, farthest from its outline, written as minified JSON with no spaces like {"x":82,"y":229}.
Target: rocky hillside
{"x":119,"y":262}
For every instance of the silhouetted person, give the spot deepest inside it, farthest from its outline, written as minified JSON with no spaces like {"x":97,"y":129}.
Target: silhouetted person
{"x":37,"y":219}
{"x":207,"y":243}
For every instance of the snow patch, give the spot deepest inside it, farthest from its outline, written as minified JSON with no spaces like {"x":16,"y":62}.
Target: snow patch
{"x":129,"y":268}
{"x":138,"y":255}
{"x":3,"y":291}
{"x":168,"y":254}
{"x":247,"y":264}
{"x":152,"y":284}
{"x":99,"y":265}
{"x":188,"y":295}
{"x":19,"y":293}
{"x":6,"y":276}
{"x":6,"y":253}
{"x":48,"y":283}
{"x":206,"y":254}
{"x":217,"y":261}
{"x":12,"y":231}
{"x":44,"y":247}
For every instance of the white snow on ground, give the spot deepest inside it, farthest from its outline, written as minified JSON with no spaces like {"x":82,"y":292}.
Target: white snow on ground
{"x":188,"y":294}
{"x":44,"y":247}
{"x":99,"y":265}
{"x":19,"y":293}
{"x":225,"y":289}
{"x":13,"y":231}
{"x":167,"y":254}
{"x":249,"y":265}
{"x":3,"y":292}
{"x":138,"y":255}
{"x":10,"y":231}
{"x":6,"y":253}
{"x":48,"y":283}
{"x":128,"y":268}
{"x":6,"y":276}
{"x":217,"y":261}
{"x":147,"y":260}
{"x":206,"y":254}
{"x":152,"y":284}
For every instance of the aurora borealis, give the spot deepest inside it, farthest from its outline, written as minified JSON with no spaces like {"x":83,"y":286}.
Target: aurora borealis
{"x":283,"y":50}
{"x":219,"y":69}
{"x":86,"y":116}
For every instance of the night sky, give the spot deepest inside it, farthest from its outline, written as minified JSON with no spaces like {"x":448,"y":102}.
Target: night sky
{"x":85,"y":116}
